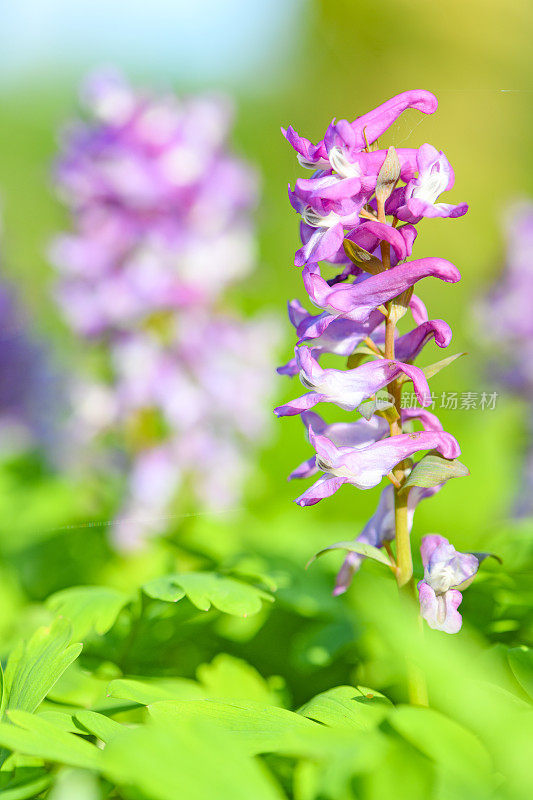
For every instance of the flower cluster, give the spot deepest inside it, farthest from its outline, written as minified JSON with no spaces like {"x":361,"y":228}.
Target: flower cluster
{"x":162,"y":217}
{"x":510,"y":334}
{"x":359,"y":212}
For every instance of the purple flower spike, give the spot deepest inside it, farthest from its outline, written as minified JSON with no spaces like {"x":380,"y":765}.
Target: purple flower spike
{"x":355,"y":201}
{"x":348,"y":388}
{"x":359,"y":299}
{"x":365,"y":467}
{"x":445,"y":572}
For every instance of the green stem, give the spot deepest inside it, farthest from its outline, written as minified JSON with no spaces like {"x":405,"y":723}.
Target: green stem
{"x":416,"y":683}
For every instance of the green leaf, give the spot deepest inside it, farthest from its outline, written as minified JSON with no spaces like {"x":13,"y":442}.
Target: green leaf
{"x":259,"y":728}
{"x":445,"y":741}
{"x":206,"y":589}
{"x":90,"y":609}
{"x":363,"y":549}
{"x":433,"y":369}
{"x":227,"y":676}
{"x":347,"y":707}
{"x":432,"y":470}
{"x":27,"y":783}
{"x":521,"y":662}
{"x":33,"y":736}
{"x":99,"y":725}
{"x":60,"y":719}
{"x":146,"y":692}
{"x":193,"y":760}
{"x":34,"y":667}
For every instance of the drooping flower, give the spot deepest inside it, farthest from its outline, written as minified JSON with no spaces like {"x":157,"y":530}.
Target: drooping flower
{"x":446,"y":571}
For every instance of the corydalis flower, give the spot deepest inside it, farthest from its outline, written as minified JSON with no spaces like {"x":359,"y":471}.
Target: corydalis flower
{"x":331,"y":201}
{"x":344,"y":208}
{"x":446,"y":571}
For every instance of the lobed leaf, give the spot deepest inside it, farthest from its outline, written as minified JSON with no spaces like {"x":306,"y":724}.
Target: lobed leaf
{"x":89,"y":608}
{"x":206,"y":589}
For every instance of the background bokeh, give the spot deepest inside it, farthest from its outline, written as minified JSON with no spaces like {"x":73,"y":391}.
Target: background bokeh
{"x":301,"y":63}
{"x":283,"y":62}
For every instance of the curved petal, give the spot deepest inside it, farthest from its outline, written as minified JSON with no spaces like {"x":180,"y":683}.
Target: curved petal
{"x":357,"y":300}
{"x":366,"y":467}
{"x":348,"y":388}
{"x":408,"y":346}
{"x":418,"y":310}
{"x":369,"y":234}
{"x":323,"y":245}
{"x":440,"y":612}
{"x":429,"y":421}
{"x":373,"y":124}
{"x":310,"y":153}
{"x":325,"y":486}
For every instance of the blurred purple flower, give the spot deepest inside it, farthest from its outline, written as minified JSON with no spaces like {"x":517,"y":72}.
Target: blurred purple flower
{"x":445,"y":572}
{"x":162,"y":224}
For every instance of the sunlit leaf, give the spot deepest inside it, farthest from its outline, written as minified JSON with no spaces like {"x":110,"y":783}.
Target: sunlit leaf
{"x":34,"y":666}
{"x":258,"y":728}
{"x":99,"y":725}
{"x":347,"y":707}
{"x":521,"y":663}
{"x":145,"y":692}
{"x":206,"y":589}
{"x":367,"y":550}
{"x":89,"y":608}
{"x":193,"y":760}
{"x":34,"y":736}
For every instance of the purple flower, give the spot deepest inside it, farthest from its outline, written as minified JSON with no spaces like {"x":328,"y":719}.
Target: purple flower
{"x":435,"y":175}
{"x":356,"y":301}
{"x":445,"y":572}
{"x":364,"y":130}
{"x":348,"y":388}
{"x":365,"y":467}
